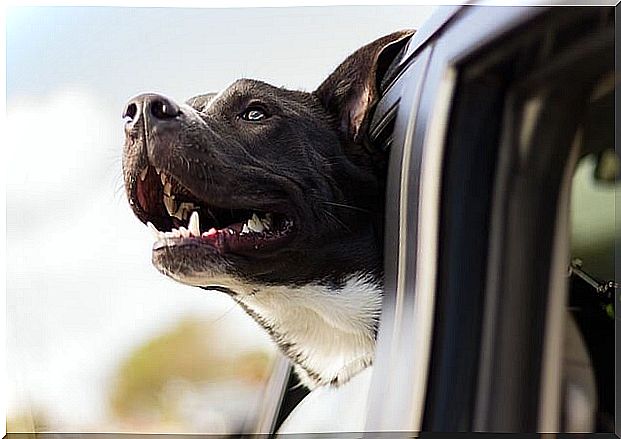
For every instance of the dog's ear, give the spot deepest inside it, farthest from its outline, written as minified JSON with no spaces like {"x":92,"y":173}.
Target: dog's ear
{"x":351,"y":91}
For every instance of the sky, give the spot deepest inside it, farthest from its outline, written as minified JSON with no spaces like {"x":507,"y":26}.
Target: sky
{"x":81,"y":291}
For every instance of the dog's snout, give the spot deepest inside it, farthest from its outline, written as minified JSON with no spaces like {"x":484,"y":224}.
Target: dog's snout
{"x":155,"y":107}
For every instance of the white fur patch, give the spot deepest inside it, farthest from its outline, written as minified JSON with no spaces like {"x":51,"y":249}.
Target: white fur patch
{"x":329,"y":333}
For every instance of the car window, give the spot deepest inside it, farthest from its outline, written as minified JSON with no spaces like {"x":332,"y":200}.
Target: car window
{"x":588,"y":391}
{"x":595,"y":182}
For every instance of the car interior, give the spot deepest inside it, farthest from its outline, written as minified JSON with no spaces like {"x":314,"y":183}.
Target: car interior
{"x":591,"y":289}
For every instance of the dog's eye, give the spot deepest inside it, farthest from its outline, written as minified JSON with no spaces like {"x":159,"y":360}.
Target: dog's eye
{"x":254,"y":114}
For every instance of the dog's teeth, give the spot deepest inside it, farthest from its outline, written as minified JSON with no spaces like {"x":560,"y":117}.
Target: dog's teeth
{"x":143,"y":174}
{"x":267,"y":221}
{"x":156,"y":233}
{"x":158,"y":171}
{"x":167,"y":188}
{"x":194,"y":224}
{"x":184,"y":232}
{"x":255,"y":224}
{"x":178,"y":214}
{"x":245,"y":230}
{"x":171,"y":205}
{"x":163,"y":178}
{"x":256,"y":227}
{"x":210,"y":232}
{"x":183,"y":211}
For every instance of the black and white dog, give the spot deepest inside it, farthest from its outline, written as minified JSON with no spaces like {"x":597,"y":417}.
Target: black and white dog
{"x":275,"y":197}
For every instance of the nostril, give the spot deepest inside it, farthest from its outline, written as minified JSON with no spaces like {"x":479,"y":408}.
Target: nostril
{"x":130,"y":111}
{"x":152,"y":107}
{"x":163,"y":109}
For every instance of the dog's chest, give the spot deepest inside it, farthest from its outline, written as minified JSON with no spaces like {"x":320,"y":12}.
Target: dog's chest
{"x":328,"y":333}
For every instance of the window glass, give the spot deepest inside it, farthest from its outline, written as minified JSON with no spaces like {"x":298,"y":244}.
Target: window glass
{"x":593,"y":212}
{"x":589,"y":344}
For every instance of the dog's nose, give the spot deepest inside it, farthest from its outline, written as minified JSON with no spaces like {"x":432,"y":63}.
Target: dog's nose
{"x":155,"y":107}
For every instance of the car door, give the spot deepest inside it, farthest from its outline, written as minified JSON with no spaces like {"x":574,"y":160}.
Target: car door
{"x":477,"y":248}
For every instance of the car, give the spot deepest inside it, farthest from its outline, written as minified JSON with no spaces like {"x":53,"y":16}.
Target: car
{"x":498,"y":313}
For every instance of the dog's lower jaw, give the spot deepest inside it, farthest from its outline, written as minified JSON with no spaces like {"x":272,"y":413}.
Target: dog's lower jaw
{"x":326,"y":329}
{"x":327,"y":332}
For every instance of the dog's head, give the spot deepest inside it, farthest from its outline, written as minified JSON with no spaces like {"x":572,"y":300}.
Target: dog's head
{"x":262,"y":185}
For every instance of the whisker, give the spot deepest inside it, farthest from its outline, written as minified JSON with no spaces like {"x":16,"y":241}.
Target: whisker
{"x":336,"y":220}
{"x":347,"y":206}
{"x":212,"y":216}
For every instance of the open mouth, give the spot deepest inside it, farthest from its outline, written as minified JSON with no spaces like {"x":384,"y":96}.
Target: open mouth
{"x":178,"y":217}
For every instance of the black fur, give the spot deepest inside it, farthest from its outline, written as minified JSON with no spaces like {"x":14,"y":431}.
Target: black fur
{"x":308,"y":160}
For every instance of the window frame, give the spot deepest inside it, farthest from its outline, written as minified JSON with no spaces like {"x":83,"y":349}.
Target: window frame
{"x":408,"y":312}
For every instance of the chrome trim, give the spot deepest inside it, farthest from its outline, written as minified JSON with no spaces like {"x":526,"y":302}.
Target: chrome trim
{"x":554,"y":331}
{"x":274,"y":393}
{"x":387,"y":402}
{"x":412,"y":332}
{"x":427,"y":249}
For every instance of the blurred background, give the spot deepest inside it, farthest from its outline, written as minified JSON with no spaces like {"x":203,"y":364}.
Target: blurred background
{"x":97,"y":340}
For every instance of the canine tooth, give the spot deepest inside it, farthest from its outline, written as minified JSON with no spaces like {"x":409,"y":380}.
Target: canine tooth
{"x":163,"y":178}
{"x":194,"y":224}
{"x":158,"y":170}
{"x":245,"y":230}
{"x":167,"y":188}
{"x":184,"y":232}
{"x":143,"y":174}
{"x":171,"y":205}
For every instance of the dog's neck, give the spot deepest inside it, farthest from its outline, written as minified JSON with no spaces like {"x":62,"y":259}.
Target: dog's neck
{"x":328,"y":332}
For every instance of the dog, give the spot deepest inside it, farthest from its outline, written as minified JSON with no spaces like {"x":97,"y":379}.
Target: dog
{"x":276,"y":198}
